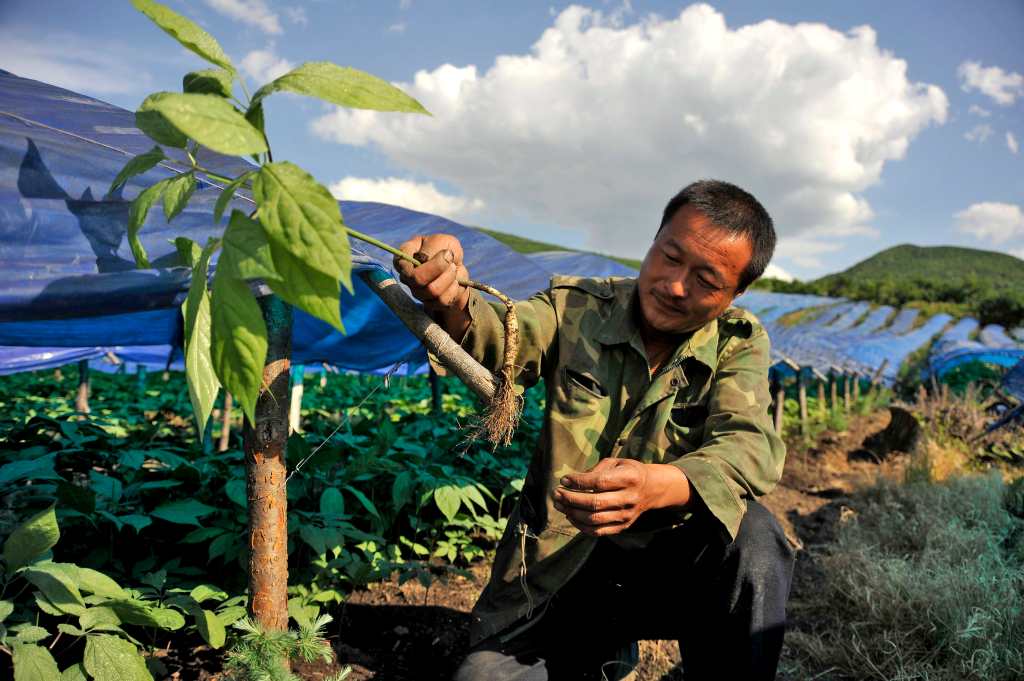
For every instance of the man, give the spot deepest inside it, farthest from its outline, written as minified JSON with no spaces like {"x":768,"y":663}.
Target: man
{"x":637,"y":519}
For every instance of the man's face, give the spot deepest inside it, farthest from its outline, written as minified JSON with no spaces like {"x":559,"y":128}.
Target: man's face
{"x":691,"y":273}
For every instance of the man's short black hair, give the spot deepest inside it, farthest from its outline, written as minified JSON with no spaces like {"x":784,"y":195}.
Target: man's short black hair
{"x":734,"y":210}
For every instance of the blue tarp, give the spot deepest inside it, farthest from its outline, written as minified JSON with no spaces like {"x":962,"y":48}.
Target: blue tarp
{"x":68,"y":285}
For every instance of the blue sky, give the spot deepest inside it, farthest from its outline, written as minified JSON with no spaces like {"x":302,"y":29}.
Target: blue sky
{"x":859,"y":125}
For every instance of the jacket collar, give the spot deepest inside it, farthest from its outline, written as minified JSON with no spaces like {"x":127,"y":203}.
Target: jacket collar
{"x":620,"y":327}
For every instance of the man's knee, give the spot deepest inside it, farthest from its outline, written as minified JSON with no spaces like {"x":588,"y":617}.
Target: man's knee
{"x":493,"y":664}
{"x":761,"y":546}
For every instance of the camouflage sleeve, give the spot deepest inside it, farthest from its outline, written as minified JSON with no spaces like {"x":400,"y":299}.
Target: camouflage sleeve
{"x":485,"y":338}
{"x":741,"y":456}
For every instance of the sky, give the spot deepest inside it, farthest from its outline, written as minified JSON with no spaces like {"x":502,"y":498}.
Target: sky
{"x":858,"y":125}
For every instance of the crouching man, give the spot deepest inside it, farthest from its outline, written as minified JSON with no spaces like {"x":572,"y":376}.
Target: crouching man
{"x":638,"y":517}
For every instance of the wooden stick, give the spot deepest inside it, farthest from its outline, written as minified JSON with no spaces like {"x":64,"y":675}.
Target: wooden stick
{"x":82,"y":396}
{"x":225,"y":429}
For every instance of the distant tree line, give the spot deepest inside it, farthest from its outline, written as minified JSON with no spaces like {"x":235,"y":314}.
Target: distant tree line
{"x":966,"y":297}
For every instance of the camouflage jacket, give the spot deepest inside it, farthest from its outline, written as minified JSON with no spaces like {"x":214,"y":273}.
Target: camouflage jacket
{"x":706,"y":411}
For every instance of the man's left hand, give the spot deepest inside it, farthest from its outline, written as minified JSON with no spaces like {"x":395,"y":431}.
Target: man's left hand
{"x":610,"y":497}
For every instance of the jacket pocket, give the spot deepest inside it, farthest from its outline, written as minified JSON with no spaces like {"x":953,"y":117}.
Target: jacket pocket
{"x":583,"y":393}
{"x":685,"y":427}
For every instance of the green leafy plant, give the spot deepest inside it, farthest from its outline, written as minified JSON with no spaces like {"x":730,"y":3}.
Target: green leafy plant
{"x":257,"y":654}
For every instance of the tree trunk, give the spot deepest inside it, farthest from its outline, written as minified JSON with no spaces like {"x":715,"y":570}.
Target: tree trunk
{"x":265,"y":476}
{"x":82,"y":396}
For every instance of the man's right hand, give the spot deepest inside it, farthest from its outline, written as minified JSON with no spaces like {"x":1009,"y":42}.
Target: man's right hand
{"x":434,"y":282}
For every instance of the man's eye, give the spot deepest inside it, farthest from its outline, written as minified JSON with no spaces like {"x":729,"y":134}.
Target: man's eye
{"x":706,"y":283}
{"x":671,"y":258}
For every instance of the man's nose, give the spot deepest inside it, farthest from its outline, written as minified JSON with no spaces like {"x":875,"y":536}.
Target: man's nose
{"x":677,"y":289}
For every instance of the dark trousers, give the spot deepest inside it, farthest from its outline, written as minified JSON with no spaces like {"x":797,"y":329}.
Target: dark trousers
{"x":725,"y":602}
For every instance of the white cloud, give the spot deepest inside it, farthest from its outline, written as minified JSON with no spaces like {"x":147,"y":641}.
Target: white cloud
{"x":422,"y":196}
{"x":991,"y":221}
{"x":1011,"y":142}
{"x":77,"y":65}
{"x":1018,"y":253}
{"x":600,"y":124}
{"x":297,"y":15}
{"x":992,"y":81}
{"x":979,"y":133}
{"x":404,"y":4}
{"x":255,"y":13}
{"x":264,"y":66}
{"x":397,"y":27}
{"x":979,"y":111}
{"x":773,"y":271}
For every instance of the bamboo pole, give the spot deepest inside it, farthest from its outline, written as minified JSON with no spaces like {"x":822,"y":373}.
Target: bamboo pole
{"x":822,"y":407}
{"x":846,"y":391}
{"x":82,"y":396}
{"x":264,"y":444}
{"x":225,"y":428}
{"x":856,"y":387}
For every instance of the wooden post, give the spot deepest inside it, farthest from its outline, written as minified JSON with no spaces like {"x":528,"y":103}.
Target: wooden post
{"x":436,"y":393}
{"x":82,"y":396}
{"x":801,"y":384}
{"x":846,"y":391}
{"x":779,"y":400}
{"x":225,"y":428}
{"x":822,"y":406}
{"x":323,"y":376}
{"x":833,"y":385}
{"x":140,"y":379}
{"x":298,"y":387}
{"x":856,"y":387}
{"x":264,"y":444}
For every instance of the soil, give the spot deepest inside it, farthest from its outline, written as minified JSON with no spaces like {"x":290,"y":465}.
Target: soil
{"x":393,"y":632}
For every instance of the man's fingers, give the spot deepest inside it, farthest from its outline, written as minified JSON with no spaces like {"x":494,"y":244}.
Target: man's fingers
{"x":602,"y":477}
{"x":593,"y":502}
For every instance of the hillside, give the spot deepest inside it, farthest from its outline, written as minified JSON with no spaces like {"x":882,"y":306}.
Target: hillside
{"x":907,"y":263}
{"x":957,"y":281}
{"x":523,"y":245}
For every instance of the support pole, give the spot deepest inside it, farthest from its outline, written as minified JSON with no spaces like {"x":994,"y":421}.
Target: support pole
{"x":82,"y":396}
{"x":846,"y":392}
{"x":801,"y":383}
{"x":833,"y":386}
{"x":436,"y":393}
{"x":140,"y":379}
{"x":298,"y":387}
{"x":780,"y":406}
{"x":225,"y":428}
{"x":856,"y":387}
{"x":264,"y":445}
{"x":822,"y":407}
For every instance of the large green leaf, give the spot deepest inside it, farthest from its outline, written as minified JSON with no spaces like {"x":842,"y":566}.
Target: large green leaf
{"x":239,"y":338}
{"x":31,"y":540}
{"x":33,"y":663}
{"x":306,"y":288}
{"x":365,"y":501}
{"x":236,"y":492}
{"x":183,"y":511}
{"x":132,"y":611}
{"x":101,"y":615}
{"x":137,"y":216}
{"x":210,"y":627}
{"x":137,"y":166}
{"x":95,"y":582}
{"x":205,"y":592}
{"x":343,"y":86}
{"x":6,"y":608}
{"x":332,"y":502}
{"x":300,"y":216}
{"x":41,"y":468}
{"x":178,"y":192}
{"x":186,"y":32}
{"x":227,"y":193}
{"x":208,"y":82}
{"x":75,"y":672}
{"x":247,"y":248}
{"x":448,"y":500}
{"x":110,"y":658}
{"x":211,"y":121}
{"x":188,"y":251}
{"x":58,"y":585}
{"x":155,"y":125}
{"x":203,"y":385}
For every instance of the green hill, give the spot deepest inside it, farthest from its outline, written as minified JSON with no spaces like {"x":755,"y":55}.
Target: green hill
{"x":907,"y":263}
{"x":521,"y":244}
{"x":958,"y":281}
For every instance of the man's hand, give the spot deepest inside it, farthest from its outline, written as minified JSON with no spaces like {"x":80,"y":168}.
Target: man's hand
{"x":434,"y":282}
{"x":610,"y":497}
